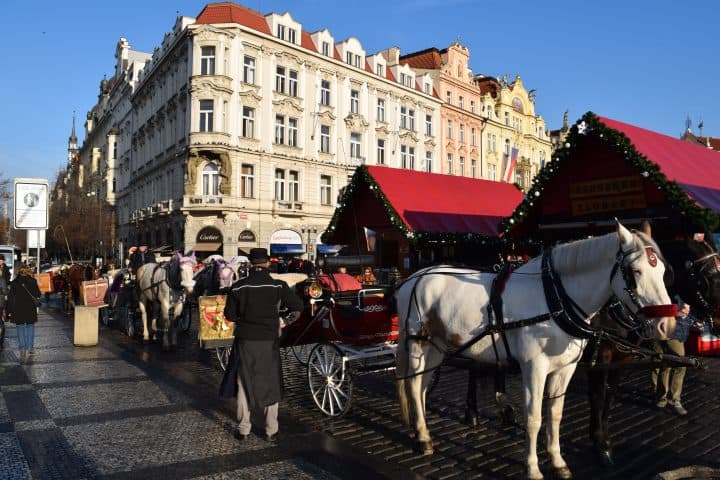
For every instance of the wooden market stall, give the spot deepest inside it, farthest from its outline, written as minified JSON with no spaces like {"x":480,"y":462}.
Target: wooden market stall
{"x":408,"y":219}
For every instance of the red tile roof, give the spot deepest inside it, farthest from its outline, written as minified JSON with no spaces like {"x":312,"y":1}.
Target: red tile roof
{"x":307,"y":42}
{"x":228,"y":12}
{"x":428,"y":59}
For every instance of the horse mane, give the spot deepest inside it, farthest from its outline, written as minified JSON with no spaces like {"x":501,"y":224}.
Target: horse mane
{"x":172,"y":269}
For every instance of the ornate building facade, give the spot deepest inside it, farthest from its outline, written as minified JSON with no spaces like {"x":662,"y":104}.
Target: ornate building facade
{"x":241,"y":129}
{"x":488,"y":126}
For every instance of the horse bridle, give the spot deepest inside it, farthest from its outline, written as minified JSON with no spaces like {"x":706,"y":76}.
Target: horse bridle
{"x":695,"y":269}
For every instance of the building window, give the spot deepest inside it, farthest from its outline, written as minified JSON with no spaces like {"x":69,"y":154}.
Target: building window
{"x":380,"y":70}
{"x":449,"y":129}
{"x":448,"y":97}
{"x":354,"y":101}
{"x":207,"y":61}
{"x":325,"y":190}
{"x":411,"y":158}
{"x":403,"y":117}
{"x":540,"y":132}
{"x":210,"y":180}
{"x":325,"y":92}
{"x":291,"y":35}
{"x":249,"y":70}
{"x":461,"y":167}
{"x":248,"y":122}
{"x":506,"y":148}
{"x":349,"y":58}
{"x":280,"y":79}
{"x":473,"y":137}
{"x":279,"y":129}
{"x":206,"y":115}
{"x":473,"y":168}
{"x":292,"y":132}
{"x":247,"y":180}
{"x":427,"y":88}
{"x":428,"y":161}
{"x":472,"y":106}
{"x":461,"y":102}
{"x":281,"y":32}
{"x":355,"y":146}
{"x":326,"y":48}
{"x":325,"y":138}
{"x":411,"y":119}
{"x":449,"y":164}
{"x":381,"y":152}
{"x":279,"y":184}
{"x":507,"y":118}
{"x":462,"y":133}
{"x":491,"y":174}
{"x":403,"y":156}
{"x":294,"y":186}
{"x":381,"y":109}
{"x":293,"y":83}
{"x":428,"y":125}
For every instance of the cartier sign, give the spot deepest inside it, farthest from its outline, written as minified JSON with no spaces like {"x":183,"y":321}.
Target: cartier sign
{"x":246,"y":236}
{"x":209,"y":234}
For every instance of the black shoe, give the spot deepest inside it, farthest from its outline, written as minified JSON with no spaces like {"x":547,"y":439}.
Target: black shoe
{"x":239,"y":436}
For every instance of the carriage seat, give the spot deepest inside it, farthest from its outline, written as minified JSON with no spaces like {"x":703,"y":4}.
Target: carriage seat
{"x":339,"y":282}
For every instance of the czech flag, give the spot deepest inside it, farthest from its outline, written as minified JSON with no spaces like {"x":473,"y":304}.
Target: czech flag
{"x":512,"y":162}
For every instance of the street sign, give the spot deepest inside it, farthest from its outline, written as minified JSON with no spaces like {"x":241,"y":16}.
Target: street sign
{"x":31,"y":203}
{"x":36,"y":238}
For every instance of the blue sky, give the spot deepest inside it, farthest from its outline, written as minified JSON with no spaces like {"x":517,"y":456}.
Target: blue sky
{"x":649,"y":63}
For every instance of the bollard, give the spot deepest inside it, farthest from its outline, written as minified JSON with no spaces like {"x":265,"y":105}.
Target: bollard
{"x":85,"y":331}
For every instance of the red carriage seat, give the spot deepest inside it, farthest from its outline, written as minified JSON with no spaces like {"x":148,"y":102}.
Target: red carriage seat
{"x":339,"y":282}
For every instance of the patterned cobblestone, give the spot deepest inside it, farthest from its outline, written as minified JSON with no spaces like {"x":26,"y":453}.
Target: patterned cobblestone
{"x":13,"y":465}
{"x":67,"y":372}
{"x":291,"y":469}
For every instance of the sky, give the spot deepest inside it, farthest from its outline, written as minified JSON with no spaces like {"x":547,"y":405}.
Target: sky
{"x":651,"y":63}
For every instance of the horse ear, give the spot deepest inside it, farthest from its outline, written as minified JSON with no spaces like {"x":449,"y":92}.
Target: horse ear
{"x":646,"y":229}
{"x":179,"y":255}
{"x":624,"y":234}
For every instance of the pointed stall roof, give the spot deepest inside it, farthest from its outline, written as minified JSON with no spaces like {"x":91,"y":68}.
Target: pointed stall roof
{"x":665,"y":174}
{"x":425,"y":206}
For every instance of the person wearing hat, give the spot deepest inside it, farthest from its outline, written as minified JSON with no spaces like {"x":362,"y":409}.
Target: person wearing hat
{"x":22,"y":306}
{"x":254,"y":372}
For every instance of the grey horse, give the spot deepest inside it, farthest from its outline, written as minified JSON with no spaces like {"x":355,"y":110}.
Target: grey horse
{"x":164,"y":287}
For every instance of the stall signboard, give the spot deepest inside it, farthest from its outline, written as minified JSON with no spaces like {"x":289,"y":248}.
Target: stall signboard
{"x":607,"y":195}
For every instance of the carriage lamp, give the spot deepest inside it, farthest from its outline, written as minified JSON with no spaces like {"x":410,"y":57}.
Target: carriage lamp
{"x":314,"y":290}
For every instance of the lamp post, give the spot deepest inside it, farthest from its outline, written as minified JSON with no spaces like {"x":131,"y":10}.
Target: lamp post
{"x":309,"y":229}
{"x":96,"y":194}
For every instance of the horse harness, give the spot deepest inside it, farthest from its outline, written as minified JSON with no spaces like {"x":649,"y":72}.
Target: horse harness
{"x":172,"y":279}
{"x":568,"y":315}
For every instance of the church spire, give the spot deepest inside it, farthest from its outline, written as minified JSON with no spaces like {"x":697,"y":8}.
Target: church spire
{"x":72,"y":143}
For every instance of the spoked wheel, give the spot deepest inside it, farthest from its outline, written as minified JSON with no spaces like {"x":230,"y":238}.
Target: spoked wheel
{"x":301,"y":353}
{"x":330,"y":382}
{"x":223,"y":355}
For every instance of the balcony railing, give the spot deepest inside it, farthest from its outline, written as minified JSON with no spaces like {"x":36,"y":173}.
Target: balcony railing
{"x":202,"y":200}
{"x":288,"y":205}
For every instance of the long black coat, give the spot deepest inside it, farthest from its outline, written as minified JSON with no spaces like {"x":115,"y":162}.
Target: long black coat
{"x":23,"y":299}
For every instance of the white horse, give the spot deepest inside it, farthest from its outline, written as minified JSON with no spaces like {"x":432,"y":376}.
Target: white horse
{"x":165,"y":286}
{"x":445,"y":308}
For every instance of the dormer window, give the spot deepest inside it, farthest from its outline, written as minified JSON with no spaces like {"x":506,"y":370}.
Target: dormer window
{"x":352,"y":59}
{"x":427,"y":88}
{"x":406,"y":80}
{"x":291,"y":35}
{"x":326,"y":48}
{"x":380,"y":70}
{"x":281,"y":32}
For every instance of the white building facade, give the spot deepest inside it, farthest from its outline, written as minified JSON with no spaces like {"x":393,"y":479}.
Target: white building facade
{"x":241,"y":129}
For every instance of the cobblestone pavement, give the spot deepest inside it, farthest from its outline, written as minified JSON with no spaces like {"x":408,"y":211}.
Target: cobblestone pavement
{"x":126,"y":410}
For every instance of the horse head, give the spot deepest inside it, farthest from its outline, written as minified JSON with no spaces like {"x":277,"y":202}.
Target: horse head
{"x":226,"y":275}
{"x":187,"y":268}
{"x":698,"y":265}
{"x":640,"y":284}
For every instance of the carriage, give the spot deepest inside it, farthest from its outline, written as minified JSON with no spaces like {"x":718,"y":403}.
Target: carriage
{"x":346,"y":328}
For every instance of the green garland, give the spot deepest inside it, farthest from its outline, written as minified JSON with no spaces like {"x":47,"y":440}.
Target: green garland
{"x":417,"y":239}
{"x":702,"y":217}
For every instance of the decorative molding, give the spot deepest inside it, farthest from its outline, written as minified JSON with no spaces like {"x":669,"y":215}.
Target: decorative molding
{"x":356,"y":122}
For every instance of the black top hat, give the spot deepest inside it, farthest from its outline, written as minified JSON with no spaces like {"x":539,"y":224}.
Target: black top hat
{"x":258,"y":255}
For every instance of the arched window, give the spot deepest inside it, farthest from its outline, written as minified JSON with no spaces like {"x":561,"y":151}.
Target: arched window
{"x":210,"y":180}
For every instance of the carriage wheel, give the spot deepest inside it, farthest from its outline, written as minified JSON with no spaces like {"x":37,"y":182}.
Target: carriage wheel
{"x":223,"y":355}
{"x":330,"y":382}
{"x":301,"y":353}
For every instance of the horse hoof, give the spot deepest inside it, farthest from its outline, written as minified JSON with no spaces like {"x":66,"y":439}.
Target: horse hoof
{"x":471,"y":418}
{"x":508,"y":415}
{"x":426,"y":448}
{"x":605,"y":458}
{"x":562,"y":472}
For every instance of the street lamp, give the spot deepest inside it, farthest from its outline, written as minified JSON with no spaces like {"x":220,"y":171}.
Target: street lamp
{"x":96,"y":194}
{"x":309,"y":229}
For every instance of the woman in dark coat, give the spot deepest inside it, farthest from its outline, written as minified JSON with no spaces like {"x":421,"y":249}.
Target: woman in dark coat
{"x":22,"y":306}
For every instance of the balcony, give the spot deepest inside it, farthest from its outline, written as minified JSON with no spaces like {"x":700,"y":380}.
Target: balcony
{"x":287,"y":206}
{"x":357,"y":161}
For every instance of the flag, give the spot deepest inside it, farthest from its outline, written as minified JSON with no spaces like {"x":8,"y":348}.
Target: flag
{"x":512,"y":161}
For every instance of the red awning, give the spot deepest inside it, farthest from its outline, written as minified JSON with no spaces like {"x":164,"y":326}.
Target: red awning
{"x":695,"y":168}
{"x":435,"y":203}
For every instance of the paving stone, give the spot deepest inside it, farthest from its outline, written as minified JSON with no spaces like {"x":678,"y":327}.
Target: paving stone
{"x":290,"y":470}
{"x":73,"y":372}
{"x":25,"y":405}
{"x":13,"y":465}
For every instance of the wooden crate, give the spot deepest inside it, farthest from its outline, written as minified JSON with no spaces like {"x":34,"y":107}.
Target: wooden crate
{"x":93,"y":292}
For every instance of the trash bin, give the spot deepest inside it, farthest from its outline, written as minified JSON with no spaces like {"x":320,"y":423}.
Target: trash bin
{"x":86,"y":326}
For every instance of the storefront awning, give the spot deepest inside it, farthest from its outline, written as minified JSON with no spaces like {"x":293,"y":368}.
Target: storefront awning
{"x":286,"y":249}
{"x":206,"y":246}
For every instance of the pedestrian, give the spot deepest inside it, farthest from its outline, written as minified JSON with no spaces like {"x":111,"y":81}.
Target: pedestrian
{"x":4,"y":287}
{"x":22,"y":305}
{"x":669,"y":387}
{"x":254,"y":372}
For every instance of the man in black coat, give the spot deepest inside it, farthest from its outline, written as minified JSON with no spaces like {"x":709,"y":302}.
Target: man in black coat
{"x":140,"y":257}
{"x":254,"y":372}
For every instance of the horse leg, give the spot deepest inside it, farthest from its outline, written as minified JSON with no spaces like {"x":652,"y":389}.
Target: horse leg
{"x":599,"y":394}
{"x":471,"y":411}
{"x":144,"y":316}
{"x":418,"y":363}
{"x":534,"y":377}
{"x":557,"y":386}
{"x":165,"y":317}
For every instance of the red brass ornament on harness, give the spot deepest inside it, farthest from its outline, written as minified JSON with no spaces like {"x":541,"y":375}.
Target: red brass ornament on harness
{"x":652,"y":257}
